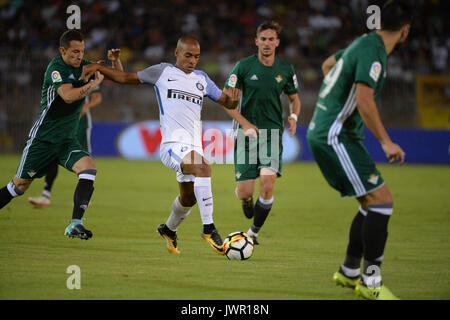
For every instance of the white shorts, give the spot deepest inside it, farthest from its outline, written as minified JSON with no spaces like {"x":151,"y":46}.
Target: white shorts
{"x":172,"y":154}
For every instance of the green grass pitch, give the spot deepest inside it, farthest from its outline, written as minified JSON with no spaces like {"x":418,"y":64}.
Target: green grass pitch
{"x":302,"y":243}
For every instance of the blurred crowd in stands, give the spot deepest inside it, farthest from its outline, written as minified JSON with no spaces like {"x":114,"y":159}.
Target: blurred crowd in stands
{"x":147,"y":31}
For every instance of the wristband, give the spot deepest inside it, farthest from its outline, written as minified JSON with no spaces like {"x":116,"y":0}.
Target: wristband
{"x":294,"y":116}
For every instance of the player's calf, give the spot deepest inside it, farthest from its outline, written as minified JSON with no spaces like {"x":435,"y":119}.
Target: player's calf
{"x":83,"y":192}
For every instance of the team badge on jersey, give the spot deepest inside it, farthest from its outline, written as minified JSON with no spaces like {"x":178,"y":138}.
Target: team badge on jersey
{"x":200,"y":86}
{"x":31,"y":173}
{"x":279,"y":78}
{"x":232,"y":81}
{"x":56,"y":77}
{"x":373,"y":179}
{"x":375,"y":71}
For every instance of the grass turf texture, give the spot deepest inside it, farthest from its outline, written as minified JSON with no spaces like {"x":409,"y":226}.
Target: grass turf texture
{"x":302,"y":244}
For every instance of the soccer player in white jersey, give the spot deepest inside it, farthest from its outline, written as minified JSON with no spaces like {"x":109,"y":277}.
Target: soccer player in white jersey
{"x":180,"y":90}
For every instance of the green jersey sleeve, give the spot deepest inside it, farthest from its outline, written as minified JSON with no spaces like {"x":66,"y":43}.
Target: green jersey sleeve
{"x":235,"y":78}
{"x":57,"y":75}
{"x":369,"y":67}
{"x":339,"y":54}
{"x":291,"y":86}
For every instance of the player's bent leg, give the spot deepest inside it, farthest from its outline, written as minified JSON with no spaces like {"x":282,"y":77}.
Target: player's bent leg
{"x":181,"y":207}
{"x":264,"y":203}
{"x":16,"y":187}
{"x":244,"y":192}
{"x":196,"y":165}
{"x":349,"y":272}
{"x":375,"y":231}
{"x":44,"y":199}
{"x":85,"y":169}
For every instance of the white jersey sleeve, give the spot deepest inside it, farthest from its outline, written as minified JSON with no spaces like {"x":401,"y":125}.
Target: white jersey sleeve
{"x":212,"y":91}
{"x":151,"y":74}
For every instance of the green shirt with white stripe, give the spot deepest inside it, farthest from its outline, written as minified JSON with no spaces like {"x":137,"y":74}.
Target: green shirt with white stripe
{"x":261,"y":89}
{"x":336,"y":113}
{"x":58,"y":120}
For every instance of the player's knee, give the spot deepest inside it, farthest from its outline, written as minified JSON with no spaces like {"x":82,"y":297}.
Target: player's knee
{"x":202,"y":170}
{"x":188,"y":200}
{"x":266,"y":188}
{"x":244,"y":194}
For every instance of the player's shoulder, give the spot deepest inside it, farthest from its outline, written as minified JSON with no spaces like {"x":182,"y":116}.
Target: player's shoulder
{"x":200,"y":73}
{"x":283,"y":63}
{"x":369,"y":42}
{"x":164,"y":66}
{"x":56,"y":62}
{"x":248,"y":61}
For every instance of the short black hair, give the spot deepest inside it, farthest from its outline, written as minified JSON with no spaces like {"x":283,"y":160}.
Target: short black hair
{"x":395,"y":14}
{"x":70,"y":35}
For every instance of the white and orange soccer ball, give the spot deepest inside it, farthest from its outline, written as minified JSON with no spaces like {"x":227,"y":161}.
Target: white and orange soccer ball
{"x":238,"y":246}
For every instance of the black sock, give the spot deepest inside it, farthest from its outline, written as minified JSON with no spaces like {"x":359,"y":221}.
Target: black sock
{"x":208,"y":228}
{"x":355,"y":244}
{"x":374,"y":236}
{"x":248,"y":207}
{"x":6,"y":196}
{"x":261,"y":212}
{"x":50,"y":177}
{"x":82,"y":195}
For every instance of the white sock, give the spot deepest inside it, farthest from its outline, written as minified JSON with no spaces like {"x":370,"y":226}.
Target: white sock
{"x":352,"y":273}
{"x":251,"y":233}
{"x":203,"y":194}
{"x":177,"y":215}
{"x":46,"y":193}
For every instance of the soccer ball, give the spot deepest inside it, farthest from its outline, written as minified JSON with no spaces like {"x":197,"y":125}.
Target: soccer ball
{"x":238,"y":246}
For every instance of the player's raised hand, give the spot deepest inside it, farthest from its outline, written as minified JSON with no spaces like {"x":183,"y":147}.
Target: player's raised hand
{"x":393,"y":152}
{"x":113,"y":54}
{"x":88,"y":71}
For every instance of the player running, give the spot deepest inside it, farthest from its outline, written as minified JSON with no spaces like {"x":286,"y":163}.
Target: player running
{"x":83,"y":134}
{"x":180,"y":90}
{"x":353,"y":78}
{"x":53,"y":136}
{"x":263,"y":77}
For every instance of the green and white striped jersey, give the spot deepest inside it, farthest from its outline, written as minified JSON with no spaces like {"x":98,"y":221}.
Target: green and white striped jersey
{"x":336,"y":113}
{"x":58,"y":120}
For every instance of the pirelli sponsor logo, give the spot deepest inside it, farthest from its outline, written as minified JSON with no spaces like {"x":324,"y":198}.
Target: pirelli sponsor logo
{"x":183,"y":95}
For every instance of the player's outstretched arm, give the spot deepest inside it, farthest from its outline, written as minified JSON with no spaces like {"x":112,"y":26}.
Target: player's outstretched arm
{"x":369,"y":113}
{"x":70,"y":94}
{"x":111,"y":74}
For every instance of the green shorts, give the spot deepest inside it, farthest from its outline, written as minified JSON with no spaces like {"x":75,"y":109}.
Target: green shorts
{"x":347,"y":166}
{"x":250,"y":154}
{"x":84,"y":132}
{"x":38,"y":155}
